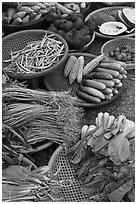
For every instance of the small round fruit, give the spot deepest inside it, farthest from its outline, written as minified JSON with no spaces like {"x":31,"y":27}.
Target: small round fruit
{"x":78,"y":24}
{"x":67,"y":26}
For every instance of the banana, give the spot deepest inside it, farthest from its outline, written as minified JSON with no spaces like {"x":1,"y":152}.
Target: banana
{"x":88,"y":98}
{"x":107,"y":82}
{"x":84,"y":130}
{"x":108,"y":96}
{"x":94,"y":84}
{"x":99,"y":75}
{"x":99,"y":132}
{"x":120,"y":76}
{"x":105,"y":119}
{"x":100,"y":119}
{"x":90,"y":129}
{"x":119,"y":85}
{"x":124,"y":76}
{"x":107,"y":90}
{"x":116,"y":81}
{"x":110,"y":122}
{"x":115,"y":91}
{"x":119,"y":125}
{"x":92,"y":91}
{"x":113,"y":65}
{"x":114,"y":73}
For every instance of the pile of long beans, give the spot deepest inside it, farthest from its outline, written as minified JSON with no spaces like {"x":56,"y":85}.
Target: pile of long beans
{"x":37,"y":56}
{"x":39,"y":115}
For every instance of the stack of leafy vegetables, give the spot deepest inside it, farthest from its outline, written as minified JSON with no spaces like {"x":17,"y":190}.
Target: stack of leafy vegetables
{"x":21,"y":183}
{"x":104,"y":159}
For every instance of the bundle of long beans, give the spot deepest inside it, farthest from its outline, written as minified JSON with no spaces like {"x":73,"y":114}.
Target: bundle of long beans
{"x":39,"y":115}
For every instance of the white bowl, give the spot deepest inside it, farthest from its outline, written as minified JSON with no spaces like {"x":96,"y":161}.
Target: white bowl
{"x":129,"y":16}
{"x":112,"y":28}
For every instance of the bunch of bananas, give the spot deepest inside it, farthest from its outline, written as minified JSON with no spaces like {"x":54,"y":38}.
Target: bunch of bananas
{"x":102,"y":83}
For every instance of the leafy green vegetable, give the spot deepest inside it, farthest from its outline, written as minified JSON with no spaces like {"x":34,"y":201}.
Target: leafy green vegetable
{"x":119,"y":149}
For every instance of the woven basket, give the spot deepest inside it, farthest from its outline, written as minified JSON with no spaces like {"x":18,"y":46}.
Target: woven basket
{"x":11,"y":28}
{"x":108,"y":10}
{"x":60,"y":161}
{"x":57,"y":82}
{"x":118,"y":42}
{"x":19,"y":40}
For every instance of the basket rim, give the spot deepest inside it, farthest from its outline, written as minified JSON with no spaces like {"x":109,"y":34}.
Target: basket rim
{"x":105,"y":9}
{"x":77,"y":101}
{"x":54,"y":156}
{"x":129,"y":66}
{"x":36,"y":75}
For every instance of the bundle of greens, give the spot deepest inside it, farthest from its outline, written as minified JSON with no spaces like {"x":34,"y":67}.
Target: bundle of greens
{"x":20,"y":183}
{"x":31,"y":117}
{"x":104,"y":159}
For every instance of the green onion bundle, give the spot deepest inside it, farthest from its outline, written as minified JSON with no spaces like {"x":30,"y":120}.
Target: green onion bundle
{"x":39,"y":116}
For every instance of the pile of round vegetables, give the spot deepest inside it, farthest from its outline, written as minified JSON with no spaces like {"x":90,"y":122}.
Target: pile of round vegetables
{"x":37,"y":56}
{"x":123,"y":53}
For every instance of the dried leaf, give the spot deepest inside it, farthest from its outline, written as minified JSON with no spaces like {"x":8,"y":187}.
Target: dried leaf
{"x":131,"y":195}
{"x":117,"y":195}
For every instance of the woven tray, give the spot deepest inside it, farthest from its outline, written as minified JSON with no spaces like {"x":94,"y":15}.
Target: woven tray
{"x":57,"y":82}
{"x":60,"y":161}
{"x":19,"y":40}
{"x":118,"y":42}
{"x":108,"y":10}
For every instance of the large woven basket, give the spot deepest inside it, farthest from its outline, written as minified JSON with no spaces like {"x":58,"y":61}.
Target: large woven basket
{"x":59,"y":161}
{"x":108,"y":10}
{"x":118,"y":42}
{"x":19,"y":40}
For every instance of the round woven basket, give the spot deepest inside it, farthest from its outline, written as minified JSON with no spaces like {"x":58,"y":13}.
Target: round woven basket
{"x":57,"y":82}
{"x":118,"y":42}
{"x":59,"y":161}
{"x":11,"y":28}
{"x":19,"y":40}
{"x":108,"y":10}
